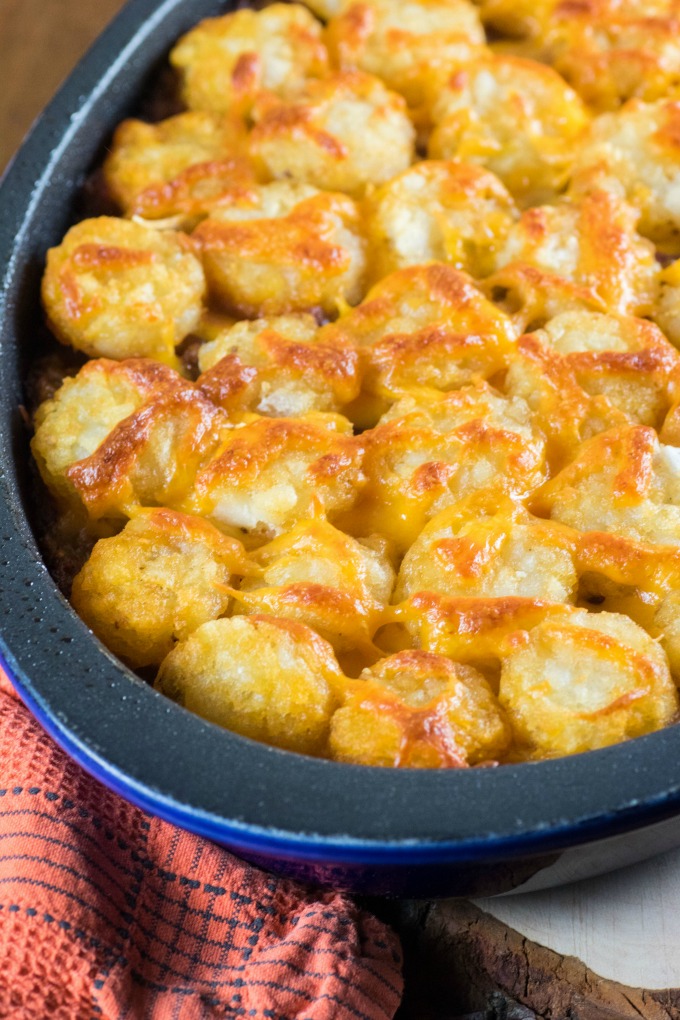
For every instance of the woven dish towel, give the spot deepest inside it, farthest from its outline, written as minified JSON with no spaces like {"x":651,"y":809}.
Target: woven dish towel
{"x":107,"y":913}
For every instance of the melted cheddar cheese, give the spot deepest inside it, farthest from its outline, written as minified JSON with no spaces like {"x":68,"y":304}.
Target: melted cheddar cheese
{"x":172,"y":173}
{"x":341,"y":133}
{"x":225,"y":62}
{"x":377,"y":455}
{"x":516,"y":117}
{"x":283,"y":248}
{"x":117,"y":289}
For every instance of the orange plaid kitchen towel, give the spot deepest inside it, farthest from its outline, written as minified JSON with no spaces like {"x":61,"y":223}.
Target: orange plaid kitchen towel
{"x":107,"y":913}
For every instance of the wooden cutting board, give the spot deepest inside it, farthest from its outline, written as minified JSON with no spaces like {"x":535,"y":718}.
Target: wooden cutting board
{"x":624,"y":926}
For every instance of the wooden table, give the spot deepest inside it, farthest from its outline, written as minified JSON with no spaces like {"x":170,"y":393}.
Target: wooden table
{"x":40,"y":40}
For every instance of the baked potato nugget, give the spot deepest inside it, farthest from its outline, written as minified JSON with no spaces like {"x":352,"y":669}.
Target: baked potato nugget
{"x":635,"y":153}
{"x":341,"y":133}
{"x":178,"y":169}
{"x":530,"y":296}
{"x":583,"y":681}
{"x":268,"y":475}
{"x":667,"y":310}
{"x":404,"y":41}
{"x":623,"y":481}
{"x":418,"y":710}
{"x":516,"y":117}
{"x":117,"y":289}
{"x":325,"y":579}
{"x":269,"y":679}
{"x":530,"y":20}
{"x":151,"y":457}
{"x":416,"y":298}
{"x":593,"y":244}
{"x":421,"y":328}
{"x":86,"y":408}
{"x":507,"y":552}
{"x":611,"y":51}
{"x":470,"y":629}
{"x":628,"y":360}
{"x":445,"y":211}
{"x":620,"y":575}
{"x":667,"y":625}
{"x":225,"y":62}
{"x":153,"y":584}
{"x":277,"y":367}
{"x":561,"y":409}
{"x":426,"y":454}
{"x":283,"y":247}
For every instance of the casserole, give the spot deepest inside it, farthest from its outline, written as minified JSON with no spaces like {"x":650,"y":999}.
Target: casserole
{"x":370,"y":830}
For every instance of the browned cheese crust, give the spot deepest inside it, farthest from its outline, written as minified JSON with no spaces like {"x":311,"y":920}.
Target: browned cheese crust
{"x":377,"y":453}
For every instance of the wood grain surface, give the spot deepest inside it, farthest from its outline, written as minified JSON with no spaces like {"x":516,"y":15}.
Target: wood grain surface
{"x":40,"y":42}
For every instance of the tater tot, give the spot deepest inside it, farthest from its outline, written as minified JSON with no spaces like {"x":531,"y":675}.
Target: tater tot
{"x":422,"y":328}
{"x":506,"y":552}
{"x":628,"y":360}
{"x":178,"y":169}
{"x":516,"y":117}
{"x":591,"y":242}
{"x":622,"y":481}
{"x":584,"y":681}
{"x":117,"y":289}
{"x":85,"y":410}
{"x":151,"y":457}
{"x":325,"y":579}
{"x":426,"y":454}
{"x":281,"y":248}
{"x":225,"y":62}
{"x":635,"y":153}
{"x":667,"y":625}
{"x":404,"y":41}
{"x":341,"y":133}
{"x":267,"y":475}
{"x":269,"y":679}
{"x":445,"y":211}
{"x":278,"y":367}
{"x":611,"y":52}
{"x":152,"y":585}
{"x":419,"y":710}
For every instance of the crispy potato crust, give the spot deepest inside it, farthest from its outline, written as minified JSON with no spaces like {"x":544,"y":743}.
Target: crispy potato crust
{"x":156,"y":582}
{"x":179,"y":169}
{"x":419,"y":710}
{"x":225,"y":62}
{"x":340,"y":133}
{"x":116,"y":289}
{"x":378,"y":453}
{"x":283,"y":248}
{"x":266,"y":678}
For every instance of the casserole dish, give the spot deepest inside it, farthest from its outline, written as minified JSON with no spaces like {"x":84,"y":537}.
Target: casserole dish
{"x":379,"y":831}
